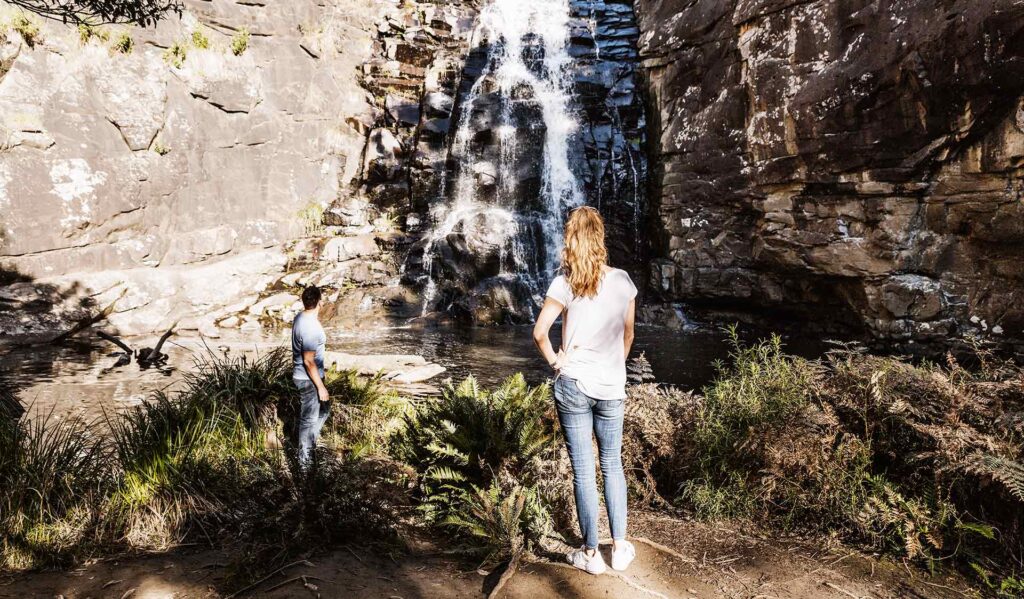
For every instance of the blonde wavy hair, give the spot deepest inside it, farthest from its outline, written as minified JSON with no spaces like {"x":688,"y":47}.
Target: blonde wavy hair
{"x":584,"y":253}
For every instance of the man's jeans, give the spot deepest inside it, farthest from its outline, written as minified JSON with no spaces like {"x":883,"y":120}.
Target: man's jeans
{"x":579,"y":415}
{"x":312,"y":415}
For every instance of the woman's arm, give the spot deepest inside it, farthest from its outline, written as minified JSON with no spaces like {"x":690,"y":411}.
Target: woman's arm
{"x":548,"y":314}
{"x":627,"y":335}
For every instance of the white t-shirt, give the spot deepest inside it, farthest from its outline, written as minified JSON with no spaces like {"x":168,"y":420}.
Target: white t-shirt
{"x":592,"y":334}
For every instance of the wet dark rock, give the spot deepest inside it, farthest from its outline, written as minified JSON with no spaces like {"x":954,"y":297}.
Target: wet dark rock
{"x":504,"y":299}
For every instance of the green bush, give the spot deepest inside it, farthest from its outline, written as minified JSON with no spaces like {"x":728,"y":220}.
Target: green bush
{"x":170,"y":455}
{"x":176,"y":55}
{"x":181,"y":467}
{"x":248,"y":386}
{"x":26,"y":28}
{"x":503,"y":519}
{"x":364,"y":415}
{"x":240,"y":42}
{"x":199,"y":39}
{"x":87,"y":33}
{"x":123,"y":43}
{"x":762,"y":387}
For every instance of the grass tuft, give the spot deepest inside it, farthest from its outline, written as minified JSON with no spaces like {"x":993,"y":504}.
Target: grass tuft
{"x":240,"y":42}
{"x":26,"y":28}
{"x":51,"y":477}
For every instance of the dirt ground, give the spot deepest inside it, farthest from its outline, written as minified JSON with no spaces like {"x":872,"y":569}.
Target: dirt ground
{"x":676,"y":559}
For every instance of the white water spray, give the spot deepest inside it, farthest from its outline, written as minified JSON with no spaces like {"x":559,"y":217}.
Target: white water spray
{"x":513,"y":31}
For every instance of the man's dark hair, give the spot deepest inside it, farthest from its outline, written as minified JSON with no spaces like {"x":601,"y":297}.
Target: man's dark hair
{"x":311,"y":297}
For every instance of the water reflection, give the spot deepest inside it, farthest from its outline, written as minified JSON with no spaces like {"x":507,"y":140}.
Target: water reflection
{"x":81,"y":377}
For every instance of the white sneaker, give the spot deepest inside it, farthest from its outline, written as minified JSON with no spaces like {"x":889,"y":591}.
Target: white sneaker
{"x":591,"y":564}
{"x":623,"y":555}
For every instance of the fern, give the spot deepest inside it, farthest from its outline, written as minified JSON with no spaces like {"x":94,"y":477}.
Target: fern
{"x":1003,"y":470}
{"x":478,"y":453}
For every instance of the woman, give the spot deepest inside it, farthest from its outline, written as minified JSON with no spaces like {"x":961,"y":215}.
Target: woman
{"x":597,"y":305}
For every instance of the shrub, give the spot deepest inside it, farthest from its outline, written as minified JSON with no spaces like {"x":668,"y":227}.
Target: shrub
{"x":240,"y":42}
{"x":26,"y":28}
{"x":505,"y":519}
{"x":916,"y":460}
{"x":87,"y":33}
{"x":184,"y":466}
{"x":763,"y":387}
{"x":171,"y":454}
{"x":175,"y":55}
{"x":199,"y":39}
{"x":312,"y":217}
{"x":336,"y":500}
{"x":124,"y":43}
{"x":52,"y":476}
{"x":364,"y":415}
{"x":657,"y":422}
{"x":248,"y":386}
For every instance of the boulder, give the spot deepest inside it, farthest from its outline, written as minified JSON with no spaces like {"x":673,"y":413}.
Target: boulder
{"x":341,"y":249}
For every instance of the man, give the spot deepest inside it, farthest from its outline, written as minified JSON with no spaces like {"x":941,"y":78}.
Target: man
{"x":308,"y":345}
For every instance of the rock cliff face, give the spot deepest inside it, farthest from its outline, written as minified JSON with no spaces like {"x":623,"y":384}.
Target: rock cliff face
{"x":852,"y":161}
{"x":163,"y":170}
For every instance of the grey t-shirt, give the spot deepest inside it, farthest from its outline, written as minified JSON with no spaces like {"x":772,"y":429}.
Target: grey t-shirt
{"x":307,"y":335}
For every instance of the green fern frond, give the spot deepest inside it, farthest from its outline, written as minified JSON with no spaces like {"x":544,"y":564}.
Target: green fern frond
{"x":1003,"y":470}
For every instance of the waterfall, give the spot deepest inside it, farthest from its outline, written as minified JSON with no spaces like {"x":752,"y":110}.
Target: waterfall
{"x":524,"y":87}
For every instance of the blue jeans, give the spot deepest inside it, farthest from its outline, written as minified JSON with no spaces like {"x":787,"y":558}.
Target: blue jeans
{"x":579,"y":415}
{"x":313,"y":413}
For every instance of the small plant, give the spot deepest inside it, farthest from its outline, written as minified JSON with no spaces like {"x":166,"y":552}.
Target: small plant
{"x":176,"y":54}
{"x":312,"y":217}
{"x":123,"y":43}
{"x":199,"y":39}
{"x":478,"y":453}
{"x":160,"y":149}
{"x":505,"y":520}
{"x":87,"y":33}
{"x":26,"y":28}
{"x":240,"y":42}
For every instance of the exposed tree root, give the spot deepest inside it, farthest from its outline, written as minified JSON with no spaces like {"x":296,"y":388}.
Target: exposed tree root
{"x":664,"y":549}
{"x":510,"y":571}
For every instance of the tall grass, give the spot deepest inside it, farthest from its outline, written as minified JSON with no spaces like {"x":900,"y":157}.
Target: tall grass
{"x":52,"y":476}
{"x":251,"y":387}
{"x":917,"y":460}
{"x":195,"y":466}
{"x":172,"y":456}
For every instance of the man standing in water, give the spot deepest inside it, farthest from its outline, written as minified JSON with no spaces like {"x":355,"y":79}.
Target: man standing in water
{"x":308,"y":344}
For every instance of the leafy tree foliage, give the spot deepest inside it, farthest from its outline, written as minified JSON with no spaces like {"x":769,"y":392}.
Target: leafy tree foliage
{"x":102,"y":12}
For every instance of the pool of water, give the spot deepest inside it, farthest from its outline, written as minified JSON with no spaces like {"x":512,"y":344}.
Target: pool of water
{"x":81,"y":378}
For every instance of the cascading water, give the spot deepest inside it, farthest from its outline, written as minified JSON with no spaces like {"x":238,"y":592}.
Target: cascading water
{"x":546,"y":117}
{"x":524,"y":87}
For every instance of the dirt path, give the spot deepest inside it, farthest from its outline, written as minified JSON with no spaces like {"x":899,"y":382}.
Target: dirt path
{"x":676,"y":559}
